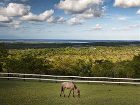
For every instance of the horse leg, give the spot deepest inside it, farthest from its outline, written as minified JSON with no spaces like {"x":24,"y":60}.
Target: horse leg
{"x":62,"y":91}
{"x":69,"y":93}
{"x":73,"y":93}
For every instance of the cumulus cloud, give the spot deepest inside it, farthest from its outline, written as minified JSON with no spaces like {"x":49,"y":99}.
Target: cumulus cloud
{"x":5,"y":19}
{"x":13,"y":24}
{"x":138,"y":12}
{"x":61,"y":20}
{"x":41,"y":17}
{"x":97,"y":27}
{"x":52,"y":19}
{"x":127,"y":3}
{"x":58,"y":20}
{"x":77,"y":6}
{"x":83,"y":8}
{"x":91,"y":13}
{"x":14,"y":9}
{"x":74,"y":21}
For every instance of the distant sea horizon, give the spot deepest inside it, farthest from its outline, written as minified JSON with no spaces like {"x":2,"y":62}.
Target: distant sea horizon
{"x":60,"y":41}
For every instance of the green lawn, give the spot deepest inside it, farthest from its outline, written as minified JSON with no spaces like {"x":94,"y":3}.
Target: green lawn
{"x":42,"y":93}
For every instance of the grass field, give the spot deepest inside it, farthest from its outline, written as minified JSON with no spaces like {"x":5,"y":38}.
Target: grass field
{"x":42,"y":93}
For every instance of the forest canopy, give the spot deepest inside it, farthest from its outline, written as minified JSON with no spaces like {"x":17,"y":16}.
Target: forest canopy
{"x":116,"y":61}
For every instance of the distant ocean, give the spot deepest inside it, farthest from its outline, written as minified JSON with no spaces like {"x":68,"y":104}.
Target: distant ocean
{"x":60,"y":41}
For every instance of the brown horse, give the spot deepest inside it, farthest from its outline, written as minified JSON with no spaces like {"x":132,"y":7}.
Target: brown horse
{"x":71,"y":86}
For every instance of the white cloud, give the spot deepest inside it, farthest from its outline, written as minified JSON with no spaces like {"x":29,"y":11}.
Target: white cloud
{"x":97,"y":27}
{"x":74,"y":21}
{"x":90,"y":13}
{"x":41,"y":17}
{"x":15,"y":24}
{"x":135,"y":26}
{"x":114,"y":29}
{"x":127,"y":3}
{"x":127,"y":28}
{"x":77,"y":6}
{"x":51,"y":20}
{"x":5,"y":19}
{"x":61,"y":20}
{"x":58,"y":20}
{"x":123,"y":18}
{"x":138,"y":12}
{"x":14,"y":9}
{"x":121,"y":29}
{"x":83,"y":8}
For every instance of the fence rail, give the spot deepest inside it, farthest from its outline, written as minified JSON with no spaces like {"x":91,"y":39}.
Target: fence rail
{"x":54,"y":78}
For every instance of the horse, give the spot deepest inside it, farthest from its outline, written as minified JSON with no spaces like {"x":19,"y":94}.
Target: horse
{"x":71,"y":86}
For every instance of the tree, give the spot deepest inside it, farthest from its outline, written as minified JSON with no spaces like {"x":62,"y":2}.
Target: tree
{"x":84,"y":67}
{"x":103,"y":68}
{"x":136,"y":65}
{"x":3,"y":55}
{"x":26,"y":64}
{"x":123,"y":69}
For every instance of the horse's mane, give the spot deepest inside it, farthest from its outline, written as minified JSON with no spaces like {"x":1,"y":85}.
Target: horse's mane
{"x":74,"y":85}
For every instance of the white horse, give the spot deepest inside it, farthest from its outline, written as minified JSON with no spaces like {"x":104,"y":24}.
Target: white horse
{"x":71,"y":86}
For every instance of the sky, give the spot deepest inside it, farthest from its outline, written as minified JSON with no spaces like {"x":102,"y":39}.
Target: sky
{"x":70,"y":19}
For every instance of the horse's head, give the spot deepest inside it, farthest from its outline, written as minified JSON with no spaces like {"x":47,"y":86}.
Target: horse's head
{"x":78,"y":92}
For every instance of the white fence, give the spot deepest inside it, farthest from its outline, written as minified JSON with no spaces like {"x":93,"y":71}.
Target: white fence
{"x":56,"y":78}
